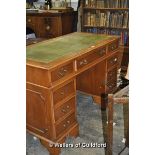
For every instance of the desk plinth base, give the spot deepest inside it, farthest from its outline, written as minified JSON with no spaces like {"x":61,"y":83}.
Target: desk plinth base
{"x":74,"y":132}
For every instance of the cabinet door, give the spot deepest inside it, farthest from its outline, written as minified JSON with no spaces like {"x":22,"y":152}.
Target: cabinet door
{"x":99,"y":78}
{"x":31,"y":23}
{"x":92,"y":81}
{"x":36,"y":110}
{"x":48,"y":27}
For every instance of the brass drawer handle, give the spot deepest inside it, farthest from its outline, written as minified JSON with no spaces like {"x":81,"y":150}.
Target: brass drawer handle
{"x":113,"y":47}
{"x":65,"y":70}
{"x":110,"y":74}
{"x":48,"y":27}
{"x":110,"y":86}
{"x":101,"y":52}
{"x":45,"y":130}
{"x":115,"y":59}
{"x":67,"y":106}
{"x":62,"y":93}
{"x":83,"y":62}
{"x":64,"y":125}
{"x":62,"y":72}
{"x":68,"y":122}
{"x":63,"y":110}
{"x":29,"y":20}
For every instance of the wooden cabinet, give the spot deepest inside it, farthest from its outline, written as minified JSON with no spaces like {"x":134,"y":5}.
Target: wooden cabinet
{"x":53,"y":78}
{"x":50,"y":25}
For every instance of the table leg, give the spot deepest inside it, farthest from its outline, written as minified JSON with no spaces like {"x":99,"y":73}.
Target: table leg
{"x":107,"y":122}
{"x":126,"y":123}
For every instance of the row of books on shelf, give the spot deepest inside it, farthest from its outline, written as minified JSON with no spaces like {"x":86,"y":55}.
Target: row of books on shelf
{"x":124,"y":36}
{"x":107,"y":19}
{"x":107,"y":3}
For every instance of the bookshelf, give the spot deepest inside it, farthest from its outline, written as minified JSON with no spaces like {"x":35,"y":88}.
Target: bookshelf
{"x":109,"y":17}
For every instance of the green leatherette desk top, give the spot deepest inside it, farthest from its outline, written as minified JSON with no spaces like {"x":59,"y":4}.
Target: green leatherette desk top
{"x":68,"y":45}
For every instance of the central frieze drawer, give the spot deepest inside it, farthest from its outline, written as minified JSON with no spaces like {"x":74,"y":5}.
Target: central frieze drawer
{"x":88,"y":58}
{"x":64,"y":109}
{"x":65,"y":124}
{"x":63,"y":92}
{"x":62,"y":71}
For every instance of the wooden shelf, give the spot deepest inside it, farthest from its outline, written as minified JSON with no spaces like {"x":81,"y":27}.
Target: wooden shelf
{"x":94,"y":8}
{"x":91,"y":26}
{"x":92,"y":21}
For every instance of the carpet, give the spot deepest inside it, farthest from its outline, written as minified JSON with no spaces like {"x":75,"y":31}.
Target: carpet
{"x":90,"y":131}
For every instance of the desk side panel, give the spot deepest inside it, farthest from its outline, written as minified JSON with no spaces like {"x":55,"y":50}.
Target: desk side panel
{"x":39,"y":110}
{"x":38,"y":76}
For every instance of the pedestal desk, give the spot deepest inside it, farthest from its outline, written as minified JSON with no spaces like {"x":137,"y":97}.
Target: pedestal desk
{"x":56,"y":68}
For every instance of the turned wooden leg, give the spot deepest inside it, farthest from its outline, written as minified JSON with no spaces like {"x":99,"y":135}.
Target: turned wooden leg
{"x":126,"y":123}
{"x":107,"y":121}
{"x":110,"y":123}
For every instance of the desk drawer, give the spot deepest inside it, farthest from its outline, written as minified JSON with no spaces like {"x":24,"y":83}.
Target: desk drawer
{"x":62,"y":71}
{"x":64,"y":109}
{"x":45,"y":27}
{"x":112,"y":74}
{"x":111,"y":86}
{"x":89,"y":58}
{"x":113,"y":46}
{"x":63,"y":92}
{"x":112,"y":61}
{"x":65,"y":124}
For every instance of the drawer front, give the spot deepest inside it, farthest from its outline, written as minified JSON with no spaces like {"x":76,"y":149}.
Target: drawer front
{"x":30,"y":20}
{"x":63,"y":92}
{"x":112,"y":74}
{"x":65,"y":124}
{"x":64,"y":109}
{"x":61,"y":72}
{"x":113,"y":46}
{"x":89,"y":58}
{"x":112,"y":61}
{"x":48,"y":27}
{"x":111,"y":86}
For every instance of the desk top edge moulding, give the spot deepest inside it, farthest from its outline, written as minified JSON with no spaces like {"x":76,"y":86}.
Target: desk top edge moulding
{"x":55,"y":69}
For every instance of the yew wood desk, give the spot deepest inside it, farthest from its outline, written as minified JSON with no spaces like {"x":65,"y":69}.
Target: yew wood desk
{"x":56,"y":68}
